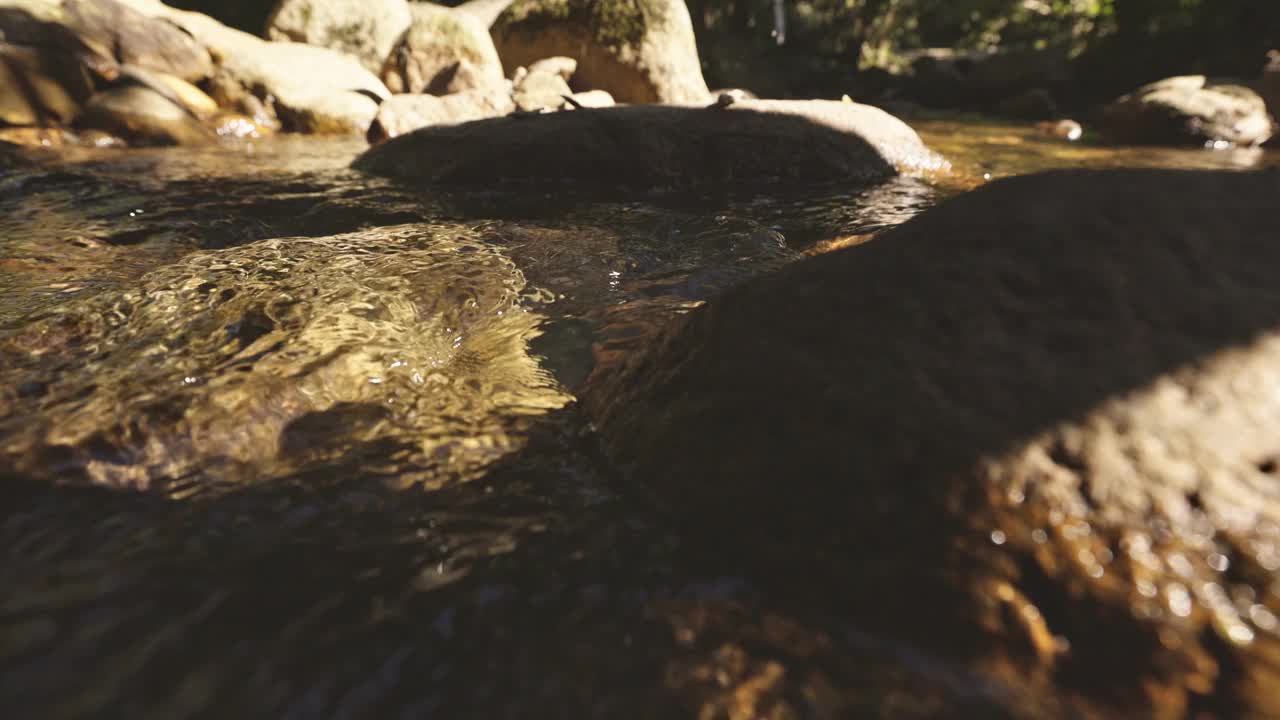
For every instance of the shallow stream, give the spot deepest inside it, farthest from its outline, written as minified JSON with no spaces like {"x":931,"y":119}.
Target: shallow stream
{"x":281,"y":440}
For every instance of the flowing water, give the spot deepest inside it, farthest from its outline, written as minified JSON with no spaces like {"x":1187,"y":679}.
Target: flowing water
{"x":281,"y":440}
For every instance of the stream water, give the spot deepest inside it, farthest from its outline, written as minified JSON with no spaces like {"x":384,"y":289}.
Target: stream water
{"x":281,"y":440}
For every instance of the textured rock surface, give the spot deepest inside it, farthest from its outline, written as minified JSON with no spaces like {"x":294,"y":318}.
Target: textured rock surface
{"x":750,"y":142}
{"x":444,"y":51}
{"x":103,"y":33}
{"x":131,"y":37}
{"x":541,"y":88}
{"x":367,"y":29}
{"x":402,"y":114}
{"x":1041,"y":439}
{"x":1188,"y":110}
{"x":309,"y":89}
{"x":640,"y":51}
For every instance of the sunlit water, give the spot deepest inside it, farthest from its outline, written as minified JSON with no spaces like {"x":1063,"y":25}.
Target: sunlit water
{"x":281,"y":440}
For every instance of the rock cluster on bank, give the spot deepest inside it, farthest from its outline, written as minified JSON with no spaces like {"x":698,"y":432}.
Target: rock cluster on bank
{"x":327,"y":66}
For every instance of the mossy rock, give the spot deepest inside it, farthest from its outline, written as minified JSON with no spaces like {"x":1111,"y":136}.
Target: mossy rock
{"x":367,"y":29}
{"x":641,"y":51}
{"x":444,"y":51}
{"x":614,"y":24}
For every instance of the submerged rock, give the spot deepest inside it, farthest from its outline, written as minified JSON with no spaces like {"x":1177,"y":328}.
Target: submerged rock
{"x":1034,"y":429}
{"x":309,"y":89}
{"x":410,"y":334}
{"x":1188,"y":110}
{"x":405,"y":113}
{"x":366,"y":29}
{"x":640,"y":51}
{"x":748,"y":142}
{"x":444,"y":51}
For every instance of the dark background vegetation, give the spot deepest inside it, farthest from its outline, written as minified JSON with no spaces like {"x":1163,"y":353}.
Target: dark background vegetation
{"x":1081,"y":51}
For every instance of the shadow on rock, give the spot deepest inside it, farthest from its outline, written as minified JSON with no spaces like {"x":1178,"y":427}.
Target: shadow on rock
{"x":746,"y":142}
{"x":1033,"y":429}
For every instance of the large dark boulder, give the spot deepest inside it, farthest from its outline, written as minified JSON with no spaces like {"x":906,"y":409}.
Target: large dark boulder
{"x":1035,"y":429}
{"x":751,"y":141}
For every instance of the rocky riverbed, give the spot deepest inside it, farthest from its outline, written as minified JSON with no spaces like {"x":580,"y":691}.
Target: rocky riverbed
{"x":696,"y":406}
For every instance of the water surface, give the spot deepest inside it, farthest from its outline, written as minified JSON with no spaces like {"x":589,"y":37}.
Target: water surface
{"x":278,"y":439}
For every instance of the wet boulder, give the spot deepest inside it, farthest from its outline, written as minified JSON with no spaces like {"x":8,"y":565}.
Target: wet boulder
{"x":1034,"y":429}
{"x":1187,"y":110}
{"x":402,"y":114}
{"x":366,"y":29}
{"x":304,"y":88}
{"x":640,"y":51}
{"x":444,"y":51}
{"x":751,"y":141}
{"x":195,"y":100}
{"x":143,"y":115}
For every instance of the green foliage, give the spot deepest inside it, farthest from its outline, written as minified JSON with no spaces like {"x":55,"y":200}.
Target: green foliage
{"x":1118,"y":40}
{"x":616,"y":23}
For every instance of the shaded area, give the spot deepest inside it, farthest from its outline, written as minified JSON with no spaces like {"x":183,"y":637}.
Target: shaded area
{"x":942,"y":431}
{"x":749,"y":143}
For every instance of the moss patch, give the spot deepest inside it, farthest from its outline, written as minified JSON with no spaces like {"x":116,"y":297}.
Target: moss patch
{"x":613,"y":23}
{"x":447,"y":30}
